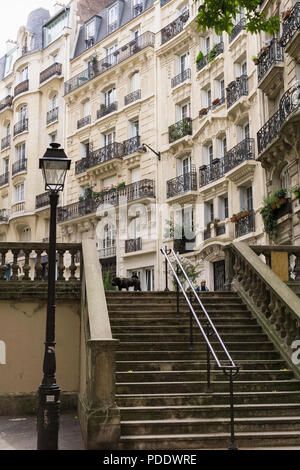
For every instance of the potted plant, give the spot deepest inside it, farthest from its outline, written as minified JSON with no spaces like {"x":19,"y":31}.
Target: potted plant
{"x":296,"y":192}
{"x":243,"y":213}
{"x":255,"y":59}
{"x":202,"y":111}
{"x":233,"y":218}
{"x":121,"y":185}
{"x":216,"y":101}
{"x":286,"y":14}
{"x":281,"y":197}
{"x":199,"y":57}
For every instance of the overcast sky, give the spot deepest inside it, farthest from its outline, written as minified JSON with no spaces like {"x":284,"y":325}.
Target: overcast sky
{"x":14,"y":14}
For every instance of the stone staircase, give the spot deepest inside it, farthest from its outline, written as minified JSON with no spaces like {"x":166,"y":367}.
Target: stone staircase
{"x":161,"y":382}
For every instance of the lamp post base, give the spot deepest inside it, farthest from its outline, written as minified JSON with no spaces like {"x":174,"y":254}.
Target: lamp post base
{"x":48,"y":417}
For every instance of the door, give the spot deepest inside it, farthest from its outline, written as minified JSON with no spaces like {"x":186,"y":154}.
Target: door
{"x":219,"y":275}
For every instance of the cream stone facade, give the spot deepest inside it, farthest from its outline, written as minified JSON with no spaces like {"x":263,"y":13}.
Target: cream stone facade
{"x":139,"y":75}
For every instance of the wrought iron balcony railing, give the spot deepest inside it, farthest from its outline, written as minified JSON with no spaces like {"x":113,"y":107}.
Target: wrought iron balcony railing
{"x":52,"y":115}
{"x":212,"y":172}
{"x":289,"y":104}
{"x":217,"y":102}
{"x":133,"y":245}
{"x":112,"y":197}
{"x":271,"y":56}
{"x":216,"y":50}
{"x":6,"y":102}
{"x":5,"y":142}
{"x":133,"y":96}
{"x":236,"y":90}
{"x":180,"y":129}
{"x":290,"y":25}
{"x":237,"y":29}
{"x":83,"y":122}
{"x":220,"y":230}
{"x":183,"y":183}
{"x":164,"y":2}
{"x":131,"y":145}
{"x":121,"y":54}
{"x":4,"y":215}
{"x":207,"y":234}
{"x":174,"y":28}
{"x":54,"y":69}
{"x":283,"y":210}
{"x":180,"y":78}
{"x":21,"y":126}
{"x":184,"y":245}
{"x":18,"y":166}
{"x":42,"y":200}
{"x":96,"y":157}
{"x":104,"y":110}
{"x":21,"y":87}
{"x":245,"y":224}
{"x":4,"y":179}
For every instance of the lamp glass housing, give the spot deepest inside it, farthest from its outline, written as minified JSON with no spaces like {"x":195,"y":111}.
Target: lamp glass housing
{"x":55,"y":165}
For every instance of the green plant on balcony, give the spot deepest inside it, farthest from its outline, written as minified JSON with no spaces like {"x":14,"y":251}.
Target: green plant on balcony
{"x":199,"y":57}
{"x":212,"y":54}
{"x":121,"y":185}
{"x":87,"y":194}
{"x":296,"y":192}
{"x":272,"y":202}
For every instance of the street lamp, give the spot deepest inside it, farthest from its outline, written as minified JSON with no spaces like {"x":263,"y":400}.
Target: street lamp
{"x":54,"y":165}
{"x":142,"y":148}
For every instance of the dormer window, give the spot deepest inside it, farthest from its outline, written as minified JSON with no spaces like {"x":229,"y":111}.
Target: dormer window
{"x":113,"y":18}
{"x":90,"y":33}
{"x":137,"y":7}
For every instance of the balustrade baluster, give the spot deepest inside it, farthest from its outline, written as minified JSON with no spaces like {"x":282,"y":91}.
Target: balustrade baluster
{"x":61,"y":266}
{"x":15,"y":266}
{"x":26,"y":267}
{"x":38,"y":266}
{"x":73,"y":266}
{"x":3,"y":267}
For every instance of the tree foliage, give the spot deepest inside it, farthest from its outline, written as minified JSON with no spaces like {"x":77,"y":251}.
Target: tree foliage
{"x":221,"y":15}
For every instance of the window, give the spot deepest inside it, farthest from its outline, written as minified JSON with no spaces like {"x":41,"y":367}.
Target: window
{"x":246,"y":197}
{"x":109,"y":138}
{"x":208,"y":98}
{"x":207,"y":45}
{"x":249,"y":198}
{"x":20,"y":152}
{"x":19,"y":194}
{"x":90,"y":30}
{"x":8,"y":129}
{"x":25,"y":234}
{"x":184,"y":165}
{"x":137,"y":7}
{"x":53,"y":102}
{"x":222,"y":89}
{"x":223,"y":207}
{"x":108,"y":97}
{"x":134,"y":128}
{"x":23,"y":113}
{"x":284,"y":178}
{"x":55,"y":58}
{"x":52,"y":137}
{"x":185,"y":110}
{"x":110,"y":54}
{"x":184,"y":62}
{"x":135,"y":81}
{"x":135,"y":174}
{"x":23,"y":74}
{"x":5,"y":165}
{"x":86,"y":108}
{"x":113,"y":17}
{"x":84,"y":149}
{"x":208,"y":154}
{"x":55,"y":29}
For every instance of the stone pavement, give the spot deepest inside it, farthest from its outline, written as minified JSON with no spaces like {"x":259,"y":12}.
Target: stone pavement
{"x":19,"y":433}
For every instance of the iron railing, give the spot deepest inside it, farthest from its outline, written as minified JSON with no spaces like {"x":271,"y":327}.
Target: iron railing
{"x":283,"y":210}
{"x":208,"y":331}
{"x":5,"y":142}
{"x":290,"y":25}
{"x":133,"y":96}
{"x":207,"y":234}
{"x":21,"y":126}
{"x":268,"y":58}
{"x":236,"y":90}
{"x":216,"y":50}
{"x":4,"y":179}
{"x":121,"y":54}
{"x":237,"y":29}
{"x":183,"y":183}
{"x":180,"y":78}
{"x":131,"y":145}
{"x":52,"y":115}
{"x":96,"y":157}
{"x":289,"y":104}
{"x":104,"y":110}
{"x":7,"y":101}
{"x":180,"y":129}
{"x":245,"y":224}
{"x":54,"y":69}
{"x":135,"y":244}
{"x":184,"y":245}
{"x":174,"y":28}
{"x":83,"y":122}
{"x":212,"y":172}
{"x":220,"y":230}
{"x":18,"y":166}
{"x":107,"y":252}
{"x":217,"y":102}
{"x":42,"y":200}
{"x":21,"y":87}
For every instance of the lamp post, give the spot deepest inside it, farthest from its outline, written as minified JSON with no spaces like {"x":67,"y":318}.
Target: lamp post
{"x":54,"y":165}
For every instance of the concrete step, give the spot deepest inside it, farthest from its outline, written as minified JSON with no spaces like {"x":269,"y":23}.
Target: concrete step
{"x":198,"y":346}
{"x":157,"y":323}
{"x":187,"y":354}
{"x":224,"y":315}
{"x":164,"y":307}
{"x":183,"y":335}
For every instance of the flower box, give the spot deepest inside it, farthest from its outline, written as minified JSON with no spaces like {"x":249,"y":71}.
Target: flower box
{"x":286,"y":14}
{"x":216,"y":101}
{"x":202,"y":111}
{"x":241,"y":215}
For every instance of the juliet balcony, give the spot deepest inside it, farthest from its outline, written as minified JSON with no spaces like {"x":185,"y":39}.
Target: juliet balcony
{"x":112,"y":197}
{"x":270,"y":69}
{"x":216,"y":50}
{"x":5,"y":142}
{"x":19,"y":166}
{"x":21,"y":87}
{"x":141,"y":42}
{"x":83,"y":122}
{"x":290,"y":38}
{"x":236,"y":90}
{"x":99,"y":156}
{"x":52,"y":115}
{"x":106,"y":109}
{"x":174,"y":28}
{"x":180,"y":129}
{"x":132,"y":97}
{"x":4,"y":179}
{"x":131,"y":145}
{"x":240,"y":26}
{"x":181,"y":78}
{"x":42,"y":200}
{"x":52,"y":71}
{"x":21,"y":126}
{"x":182,"y":184}
{"x":135,"y":244}
{"x":245,"y":224}
{"x":6,"y":102}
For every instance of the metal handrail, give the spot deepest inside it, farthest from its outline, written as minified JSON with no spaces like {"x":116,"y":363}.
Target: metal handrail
{"x":229,"y":370}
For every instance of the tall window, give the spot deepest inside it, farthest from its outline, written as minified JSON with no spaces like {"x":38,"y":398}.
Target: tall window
{"x":19,"y":194}
{"x":184,"y":62}
{"x":55,"y":29}
{"x":135,"y":81}
{"x":109,"y":238}
{"x":53,"y":102}
{"x":109,"y":138}
{"x":113,"y":18}
{"x":185,"y":111}
{"x":90,"y":30}
{"x":134,"y":128}
{"x":21,"y":152}
{"x":23,"y":113}
{"x":23,"y":74}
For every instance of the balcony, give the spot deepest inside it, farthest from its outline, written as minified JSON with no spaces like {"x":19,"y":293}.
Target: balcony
{"x":128,"y":50}
{"x":180,"y":129}
{"x":52,"y":115}
{"x":236,"y":90}
{"x":83,"y":122}
{"x":210,"y":56}
{"x":141,"y":189}
{"x":97,"y":157}
{"x":133,"y":245}
{"x":4,"y":215}
{"x":6,"y":102}
{"x":107,"y":252}
{"x":289,"y":105}
{"x":270,"y":69}
{"x":237,"y":29}
{"x":182,"y":245}
{"x":21,"y":126}
{"x":290,"y":38}
{"x":18,"y":166}
{"x":220,"y":230}
{"x":21,"y":87}
{"x":204,"y":111}
{"x":245,"y":224}
{"x":54,"y":69}
{"x":212,"y":172}
{"x":182,"y":184}
{"x":134,"y":96}
{"x":181,"y":77}
{"x":131,"y":145}
{"x":174,"y":28}
{"x":4,"y":179}
{"x":107,"y":109}
{"x":283,"y":210}
{"x":5,"y":142}
{"x":42,"y":200}
{"x":207,"y":234}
